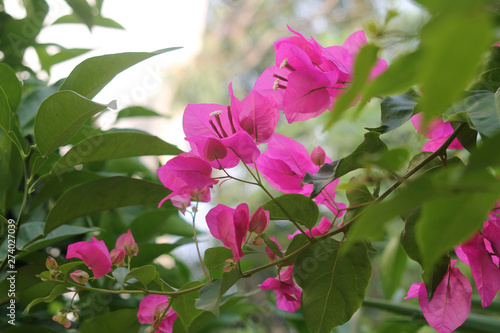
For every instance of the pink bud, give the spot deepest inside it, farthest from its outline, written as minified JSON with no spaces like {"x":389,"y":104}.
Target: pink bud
{"x":80,"y":276}
{"x":117,"y":256}
{"x":61,"y":319}
{"x":259,"y":221}
{"x":127,"y":243}
{"x":51,"y":264}
{"x":318,"y":156}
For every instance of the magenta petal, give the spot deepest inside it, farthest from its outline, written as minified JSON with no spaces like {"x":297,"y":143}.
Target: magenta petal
{"x":322,"y":228}
{"x":451,"y":303}
{"x":266,"y":81}
{"x":94,"y":254}
{"x":195,"y":120}
{"x":485,"y":272}
{"x":288,"y":294}
{"x":259,"y":116}
{"x":307,"y":94}
{"x":414,"y":289}
{"x":153,"y":305}
{"x":259,"y":220}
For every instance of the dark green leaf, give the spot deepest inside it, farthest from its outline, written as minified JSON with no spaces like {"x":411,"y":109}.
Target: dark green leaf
{"x":488,"y":154}
{"x":334,"y":282}
{"x":408,"y":240}
{"x":56,"y":292}
{"x":396,"y":110}
{"x":301,"y":208}
{"x":272,"y":245}
{"x":91,"y":75}
{"x":137,"y":111}
{"x":184,"y":305}
{"x":211,"y":294}
{"x":148,"y":252}
{"x":357,"y":194}
{"x":467,"y":136}
{"x":100,"y":195}
{"x":391,"y":160}
{"x":114,"y":145}
{"x":48,"y":60}
{"x":60,"y":117}
{"x":151,"y":224}
{"x":365,"y":60}
{"x":11,"y":85}
{"x":216,"y":256}
{"x":67,"y":268}
{"x":9,"y":123}
{"x":123,"y":321}
{"x":331,"y":171}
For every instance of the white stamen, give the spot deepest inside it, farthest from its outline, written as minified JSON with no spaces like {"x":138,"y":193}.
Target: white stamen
{"x":276,"y":84}
{"x":283,"y":63}
{"x":215,"y":113}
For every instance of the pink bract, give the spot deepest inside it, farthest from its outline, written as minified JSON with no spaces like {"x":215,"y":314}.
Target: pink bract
{"x":450,"y":304}
{"x":288,"y":294}
{"x":127,"y":243}
{"x":94,"y":254}
{"x":321,"y":229}
{"x":150,"y":310}
{"x":184,"y":174}
{"x":437,"y":130}
{"x":230,"y":226}
{"x":259,"y":221}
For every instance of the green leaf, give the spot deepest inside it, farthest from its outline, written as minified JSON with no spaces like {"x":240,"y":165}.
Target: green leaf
{"x":120,"y":274}
{"x":392,"y":267}
{"x":334,"y":282}
{"x":60,"y":117}
{"x":11,"y":85}
{"x":114,"y":145}
{"x":216,"y":256}
{"x":48,"y":60}
{"x":468,"y":20}
{"x":331,"y":171}
{"x":408,"y":240}
{"x":396,"y":110}
{"x":123,"y":321}
{"x":301,"y":208}
{"x":184,"y":305}
{"x":365,"y":60}
{"x":211,"y":294}
{"x":98,"y":21}
{"x":83,"y":11}
{"x":357,"y":194}
{"x":451,"y":218}
{"x":91,"y":75}
{"x":488,"y":154}
{"x":391,"y":160}
{"x":56,"y":292}
{"x":10,"y":125}
{"x":272,"y":245}
{"x":66,"y":268}
{"x":100,"y":195}
{"x":153,"y":223}
{"x":137,"y":111}
{"x":148,"y":252}
{"x":145,"y":274}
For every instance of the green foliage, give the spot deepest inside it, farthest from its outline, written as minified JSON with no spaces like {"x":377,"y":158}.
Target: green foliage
{"x":303,"y":209}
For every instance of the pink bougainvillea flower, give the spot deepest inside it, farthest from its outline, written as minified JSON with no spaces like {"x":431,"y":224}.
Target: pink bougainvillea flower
{"x":152,"y":308}
{"x":321,"y":229}
{"x":288,"y":294}
{"x":437,"y":130}
{"x":94,"y":254}
{"x":127,"y":243}
{"x":214,"y":133}
{"x":327,"y":198}
{"x":483,"y":264}
{"x":258,"y":115}
{"x":451,"y":303}
{"x":259,"y":221}
{"x":186,"y":174}
{"x":270,"y":254}
{"x":284,"y":164}
{"x":230,"y":226}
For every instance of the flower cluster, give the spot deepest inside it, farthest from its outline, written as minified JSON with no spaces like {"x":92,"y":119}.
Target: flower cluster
{"x":451,"y":302}
{"x":305,"y":82}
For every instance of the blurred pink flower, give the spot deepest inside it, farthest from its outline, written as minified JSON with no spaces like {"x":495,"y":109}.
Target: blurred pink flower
{"x":438,"y":131}
{"x":94,"y":254}
{"x":152,"y":308}
{"x":288,"y":294}
{"x":127,"y":243}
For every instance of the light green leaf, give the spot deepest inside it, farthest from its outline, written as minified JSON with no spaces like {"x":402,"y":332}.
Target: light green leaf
{"x":114,"y":145}
{"x":184,"y":305}
{"x":100,"y":195}
{"x":148,"y":252}
{"x":120,"y":274}
{"x":334,"y":282}
{"x":151,"y":224}
{"x":97,"y":21}
{"x":56,"y":292}
{"x":357,"y":194}
{"x":83,"y":11}
{"x":216,"y":256}
{"x":66,"y":268}
{"x":301,"y":208}
{"x":137,"y":111}
{"x":91,"y":75}
{"x":123,"y":321}
{"x":60,"y":117}
{"x":211,"y":294}
{"x":392,"y":267}
{"x":48,"y":60}
{"x":11,"y":85}
{"x":145,"y":274}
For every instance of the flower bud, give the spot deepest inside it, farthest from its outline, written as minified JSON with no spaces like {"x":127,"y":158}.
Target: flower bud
{"x":62,"y":319}
{"x":51,"y":264}
{"x":117,"y":256}
{"x":259,"y":221}
{"x":257,"y":241}
{"x":318,"y":156}
{"x":127,"y":243}
{"x":80,"y":276}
